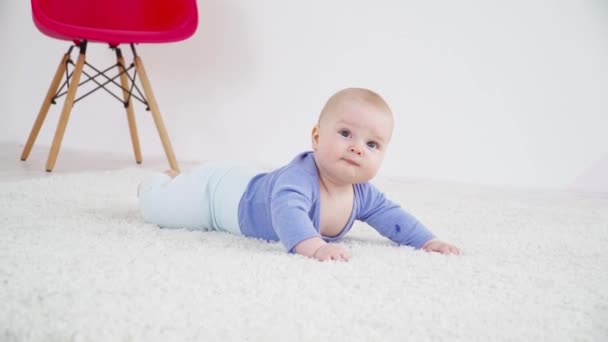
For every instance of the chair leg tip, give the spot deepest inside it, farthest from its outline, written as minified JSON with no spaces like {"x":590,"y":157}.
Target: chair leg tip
{"x":49,"y":170}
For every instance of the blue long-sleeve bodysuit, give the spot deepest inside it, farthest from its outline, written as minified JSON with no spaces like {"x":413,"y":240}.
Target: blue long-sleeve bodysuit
{"x":282,"y":205}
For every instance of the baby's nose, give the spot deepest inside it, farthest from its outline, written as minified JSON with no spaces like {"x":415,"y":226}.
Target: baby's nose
{"x":355,"y":149}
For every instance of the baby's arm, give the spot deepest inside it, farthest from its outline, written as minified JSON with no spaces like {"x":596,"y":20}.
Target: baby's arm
{"x":291,"y":202}
{"x":393,"y":222}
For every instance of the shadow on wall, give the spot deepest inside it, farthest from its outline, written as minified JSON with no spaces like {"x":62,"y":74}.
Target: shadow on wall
{"x":593,"y":179}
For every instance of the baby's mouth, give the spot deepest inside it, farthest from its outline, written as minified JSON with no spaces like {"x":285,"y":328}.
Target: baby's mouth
{"x":351,"y":162}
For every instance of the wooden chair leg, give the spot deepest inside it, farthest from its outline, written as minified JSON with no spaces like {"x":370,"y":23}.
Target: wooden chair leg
{"x":44,"y":108}
{"x":160,"y":126}
{"x":65,"y":112}
{"x":124,"y":82}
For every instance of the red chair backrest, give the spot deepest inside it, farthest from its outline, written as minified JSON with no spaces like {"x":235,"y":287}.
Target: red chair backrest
{"x":117,"y":21}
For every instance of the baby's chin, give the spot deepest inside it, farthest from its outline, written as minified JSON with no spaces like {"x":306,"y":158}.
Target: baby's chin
{"x":345,"y":175}
{"x":361,"y":180}
{"x":354,"y":178}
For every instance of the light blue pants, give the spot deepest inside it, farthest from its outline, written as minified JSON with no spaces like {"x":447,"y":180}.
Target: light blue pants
{"x":207,"y":198}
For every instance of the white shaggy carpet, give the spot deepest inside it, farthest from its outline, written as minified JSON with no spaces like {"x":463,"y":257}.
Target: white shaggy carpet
{"x":78,"y":264}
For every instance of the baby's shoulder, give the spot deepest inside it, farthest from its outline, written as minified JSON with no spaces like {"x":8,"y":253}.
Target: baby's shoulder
{"x":296,"y":176}
{"x":366,"y":189}
{"x":368,"y":195}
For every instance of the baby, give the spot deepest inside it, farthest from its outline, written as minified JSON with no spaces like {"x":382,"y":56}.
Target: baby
{"x":306,"y":204}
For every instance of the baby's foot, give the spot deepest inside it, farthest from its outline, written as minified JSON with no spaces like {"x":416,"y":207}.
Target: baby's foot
{"x":171,"y":173}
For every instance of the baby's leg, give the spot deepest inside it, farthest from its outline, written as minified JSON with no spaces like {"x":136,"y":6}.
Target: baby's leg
{"x":179,"y":202}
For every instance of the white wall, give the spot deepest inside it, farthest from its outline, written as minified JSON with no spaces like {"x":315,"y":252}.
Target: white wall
{"x":484,"y":91}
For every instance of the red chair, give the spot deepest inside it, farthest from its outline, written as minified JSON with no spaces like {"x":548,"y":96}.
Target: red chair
{"x":113,"y":22}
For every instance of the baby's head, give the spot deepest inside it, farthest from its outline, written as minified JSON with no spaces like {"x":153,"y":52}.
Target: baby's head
{"x":352,"y":135}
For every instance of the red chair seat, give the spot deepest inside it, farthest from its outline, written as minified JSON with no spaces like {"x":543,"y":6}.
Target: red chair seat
{"x":116,"y":21}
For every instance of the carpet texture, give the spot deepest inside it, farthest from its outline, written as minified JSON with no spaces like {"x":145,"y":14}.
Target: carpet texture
{"x":77,"y":263}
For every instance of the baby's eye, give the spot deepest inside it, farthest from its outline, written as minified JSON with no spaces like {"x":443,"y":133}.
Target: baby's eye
{"x":345,"y":133}
{"x":372,"y":144}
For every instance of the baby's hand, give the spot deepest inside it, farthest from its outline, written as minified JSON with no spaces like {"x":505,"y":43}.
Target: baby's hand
{"x":439,"y":246}
{"x":331,"y":252}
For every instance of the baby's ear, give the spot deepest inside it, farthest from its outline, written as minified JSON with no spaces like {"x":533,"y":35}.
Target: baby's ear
{"x":315,"y":137}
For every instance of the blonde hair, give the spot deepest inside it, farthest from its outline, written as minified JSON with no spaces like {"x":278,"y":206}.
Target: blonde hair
{"x":354,"y":95}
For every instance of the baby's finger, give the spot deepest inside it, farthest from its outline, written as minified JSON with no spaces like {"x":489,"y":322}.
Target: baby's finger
{"x":344,"y":256}
{"x":453,"y":250}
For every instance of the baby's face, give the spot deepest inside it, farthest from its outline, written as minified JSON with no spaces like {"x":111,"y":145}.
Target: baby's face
{"x":350,"y":143}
